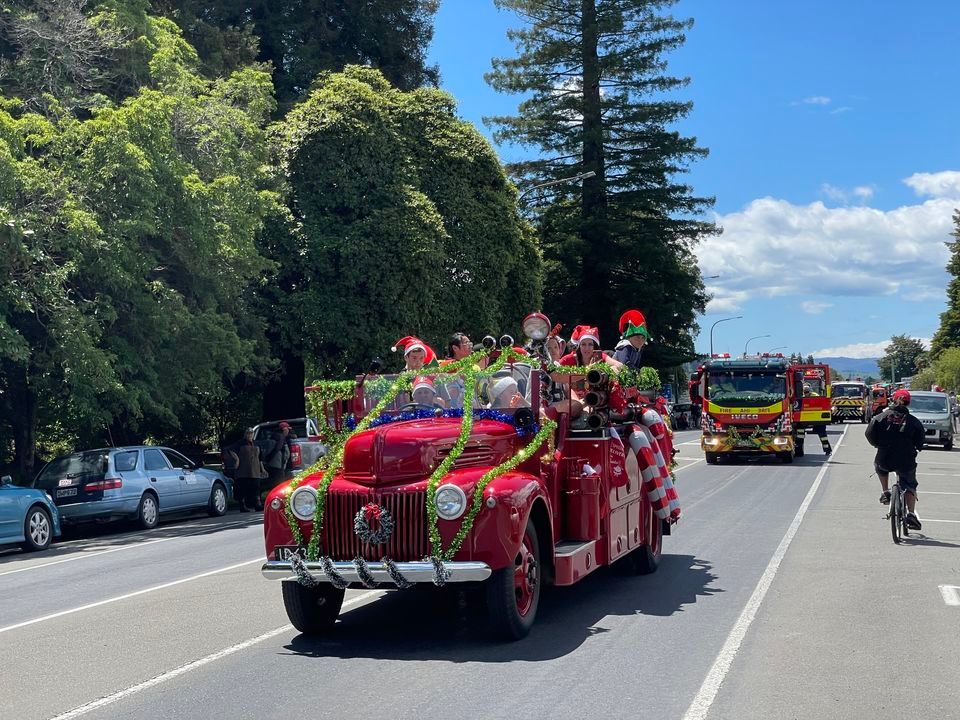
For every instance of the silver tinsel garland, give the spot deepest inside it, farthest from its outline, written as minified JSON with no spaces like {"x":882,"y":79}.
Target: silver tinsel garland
{"x":398,"y":579}
{"x":440,"y":573}
{"x":363,"y":571}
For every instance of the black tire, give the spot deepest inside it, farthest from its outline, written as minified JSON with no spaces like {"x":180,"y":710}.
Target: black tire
{"x":645,"y":559}
{"x":895,"y":514}
{"x":217,"y":504}
{"x":37,"y":530}
{"x":512,"y":611}
{"x":312,"y":611}
{"x":948,"y":445}
{"x":799,"y":451}
{"x":148,"y":513}
{"x":785,"y":457}
{"x":712,"y":458}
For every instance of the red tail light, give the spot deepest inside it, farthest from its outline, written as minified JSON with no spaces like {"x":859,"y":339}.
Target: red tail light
{"x":105,"y":484}
{"x":295,"y":454}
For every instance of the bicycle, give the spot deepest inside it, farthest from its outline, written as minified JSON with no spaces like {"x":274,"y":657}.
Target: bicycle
{"x":898,"y":513}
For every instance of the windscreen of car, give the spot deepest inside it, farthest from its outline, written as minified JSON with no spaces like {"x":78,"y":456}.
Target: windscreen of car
{"x":445,"y":390}
{"x":80,"y":466}
{"x":856,"y":391}
{"x":930,"y":404}
{"x":748,"y":389}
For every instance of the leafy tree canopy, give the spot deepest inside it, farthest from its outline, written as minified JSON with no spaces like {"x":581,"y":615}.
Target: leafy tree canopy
{"x":904,"y":356}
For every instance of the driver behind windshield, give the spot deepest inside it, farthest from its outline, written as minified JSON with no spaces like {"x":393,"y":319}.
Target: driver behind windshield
{"x":424,"y":393}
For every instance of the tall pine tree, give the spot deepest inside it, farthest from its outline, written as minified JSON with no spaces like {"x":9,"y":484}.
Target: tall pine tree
{"x":599,"y":100}
{"x":948,"y":334}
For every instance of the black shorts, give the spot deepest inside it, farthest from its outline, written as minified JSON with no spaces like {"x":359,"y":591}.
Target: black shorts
{"x":907,"y":478}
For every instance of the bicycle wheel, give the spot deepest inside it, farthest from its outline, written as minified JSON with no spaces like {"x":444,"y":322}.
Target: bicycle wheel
{"x":896,"y":513}
{"x":904,"y":528}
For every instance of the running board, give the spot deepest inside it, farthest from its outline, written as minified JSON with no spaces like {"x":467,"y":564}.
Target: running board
{"x":574,"y":560}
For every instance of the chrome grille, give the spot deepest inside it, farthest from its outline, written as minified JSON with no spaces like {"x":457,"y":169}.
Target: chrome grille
{"x":472,"y":456}
{"x":409,"y":540}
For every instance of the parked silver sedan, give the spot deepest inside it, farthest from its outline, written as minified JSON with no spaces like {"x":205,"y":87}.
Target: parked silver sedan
{"x":137,"y":483}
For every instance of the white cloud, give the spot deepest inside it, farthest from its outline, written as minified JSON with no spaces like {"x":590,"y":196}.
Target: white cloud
{"x":938,"y":185}
{"x":861,"y":193}
{"x":864,"y":192}
{"x":814,"y":307}
{"x":861,"y":350}
{"x":817,"y":100}
{"x":773,"y":247}
{"x":840,"y":110}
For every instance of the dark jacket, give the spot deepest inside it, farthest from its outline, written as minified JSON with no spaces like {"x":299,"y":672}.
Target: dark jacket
{"x":898,"y":437}
{"x":279,"y":454}
{"x":248,"y":461}
{"x":628,"y":355}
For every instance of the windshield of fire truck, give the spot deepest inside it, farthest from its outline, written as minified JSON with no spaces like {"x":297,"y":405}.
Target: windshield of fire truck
{"x":846,"y":390}
{"x":745,"y":389}
{"x":507,"y":390}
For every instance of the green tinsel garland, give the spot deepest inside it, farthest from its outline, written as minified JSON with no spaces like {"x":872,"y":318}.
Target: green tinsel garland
{"x":646,"y":378}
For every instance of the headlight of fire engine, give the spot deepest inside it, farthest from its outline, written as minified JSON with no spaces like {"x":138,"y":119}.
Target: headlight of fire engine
{"x":303,"y":502}
{"x":781,"y":441}
{"x":451,"y":502}
{"x":711,"y":441}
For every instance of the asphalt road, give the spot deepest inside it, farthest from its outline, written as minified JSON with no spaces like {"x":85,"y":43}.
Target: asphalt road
{"x":780,"y":594}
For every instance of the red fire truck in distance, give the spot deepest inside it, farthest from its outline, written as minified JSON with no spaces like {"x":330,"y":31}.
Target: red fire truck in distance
{"x":578,"y":501}
{"x":813,"y":410}
{"x":747,"y":406}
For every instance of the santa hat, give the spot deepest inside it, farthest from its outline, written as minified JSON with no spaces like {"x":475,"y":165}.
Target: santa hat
{"x":423,"y":382}
{"x":632,"y":322}
{"x":501,"y":386}
{"x":411,"y":343}
{"x":585,"y":332}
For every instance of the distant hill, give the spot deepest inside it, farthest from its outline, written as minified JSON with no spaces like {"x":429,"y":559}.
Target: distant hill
{"x":861,"y":367}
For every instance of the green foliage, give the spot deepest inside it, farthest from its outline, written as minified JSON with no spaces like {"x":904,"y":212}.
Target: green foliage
{"x":948,"y":334}
{"x":947,"y":368}
{"x":904,"y":355}
{"x":924,"y":379}
{"x":301,"y":38}
{"x":402,"y":223}
{"x":597,"y":98}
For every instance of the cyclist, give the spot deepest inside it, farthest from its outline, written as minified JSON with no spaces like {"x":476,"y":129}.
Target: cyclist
{"x":819,"y":430}
{"x":898,"y":437}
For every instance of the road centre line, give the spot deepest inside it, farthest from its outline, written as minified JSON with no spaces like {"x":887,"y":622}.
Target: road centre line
{"x":194,"y":665}
{"x":123,"y":547}
{"x":127,"y":596}
{"x":701,"y":704}
{"x":951,"y":594}
{"x":926,"y":519}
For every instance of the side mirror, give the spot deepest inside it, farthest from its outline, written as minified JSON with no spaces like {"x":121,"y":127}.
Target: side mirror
{"x":375,"y":365}
{"x":6,"y":480}
{"x":798,"y":383}
{"x":694,"y":392}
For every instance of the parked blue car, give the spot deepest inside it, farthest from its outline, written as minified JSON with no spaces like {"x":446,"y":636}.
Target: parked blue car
{"x":27,"y":516}
{"x":138,"y":483}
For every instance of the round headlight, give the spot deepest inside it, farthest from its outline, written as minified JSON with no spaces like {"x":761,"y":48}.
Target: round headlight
{"x":451,"y":502}
{"x":536,"y":326}
{"x":303,"y":502}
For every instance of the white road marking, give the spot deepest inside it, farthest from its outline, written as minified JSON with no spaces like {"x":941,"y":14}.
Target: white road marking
{"x":936,"y":475}
{"x":689,"y":464}
{"x":951,"y":594}
{"x":946,"y":521}
{"x":123,"y":547}
{"x":931,"y":492}
{"x":127,"y":596}
{"x":183,"y":669}
{"x":711,"y":684}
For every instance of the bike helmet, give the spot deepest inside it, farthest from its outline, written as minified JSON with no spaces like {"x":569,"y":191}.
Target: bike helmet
{"x":902,"y":394}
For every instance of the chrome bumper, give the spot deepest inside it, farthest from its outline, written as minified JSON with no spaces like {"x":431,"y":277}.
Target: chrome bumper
{"x":415,"y":572}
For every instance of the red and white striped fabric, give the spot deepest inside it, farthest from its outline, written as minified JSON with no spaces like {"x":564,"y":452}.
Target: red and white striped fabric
{"x":654,"y":423}
{"x":645,"y":446}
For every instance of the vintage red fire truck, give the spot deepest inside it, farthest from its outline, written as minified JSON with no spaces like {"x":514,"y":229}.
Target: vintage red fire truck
{"x":526,"y":501}
{"x":747,"y":407}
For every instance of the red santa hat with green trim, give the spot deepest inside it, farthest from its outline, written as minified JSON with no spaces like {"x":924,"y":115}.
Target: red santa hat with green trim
{"x":632,"y":322}
{"x":410,"y":343}
{"x":423,"y":382}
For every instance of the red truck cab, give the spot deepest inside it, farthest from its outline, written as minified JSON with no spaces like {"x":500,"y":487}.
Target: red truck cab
{"x":526,"y":501}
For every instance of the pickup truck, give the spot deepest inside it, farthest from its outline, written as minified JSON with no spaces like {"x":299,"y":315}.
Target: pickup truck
{"x":305,"y":448}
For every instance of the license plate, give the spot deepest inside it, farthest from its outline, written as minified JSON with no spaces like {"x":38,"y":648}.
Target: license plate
{"x":285,"y":552}
{"x":66,"y":492}
{"x":744,"y":443}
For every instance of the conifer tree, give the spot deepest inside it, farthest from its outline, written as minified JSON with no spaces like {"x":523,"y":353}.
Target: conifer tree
{"x":948,"y":334}
{"x":599,"y":98}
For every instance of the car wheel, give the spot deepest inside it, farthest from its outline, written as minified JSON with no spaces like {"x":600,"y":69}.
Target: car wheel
{"x":785,"y":457}
{"x":218,"y":501}
{"x":712,"y":458}
{"x":37,"y":530}
{"x":312,"y":611}
{"x":148,"y":514}
{"x":948,"y":445}
{"x":513,"y":592}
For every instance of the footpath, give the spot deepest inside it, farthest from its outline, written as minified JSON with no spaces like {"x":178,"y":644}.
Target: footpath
{"x":853,"y":625}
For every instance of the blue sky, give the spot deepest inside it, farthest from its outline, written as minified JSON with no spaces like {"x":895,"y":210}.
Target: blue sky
{"x":834,"y":159}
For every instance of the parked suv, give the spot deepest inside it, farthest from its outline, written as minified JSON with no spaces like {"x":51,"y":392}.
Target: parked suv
{"x":933,"y":410}
{"x":138,"y":483}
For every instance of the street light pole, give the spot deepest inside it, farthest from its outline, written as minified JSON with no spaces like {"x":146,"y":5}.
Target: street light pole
{"x":572,"y":178}
{"x":778,"y":347}
{"x":755,"y":337}
{"x":738,"y":317}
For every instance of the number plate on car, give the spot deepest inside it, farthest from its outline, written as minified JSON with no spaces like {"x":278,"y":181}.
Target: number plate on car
{"x":285,"y":552}
{"x":66,"y":492}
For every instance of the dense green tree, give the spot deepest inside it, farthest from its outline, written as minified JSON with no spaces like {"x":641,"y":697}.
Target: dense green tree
{"x":947,"y":368}
{"x":598,"y":99}
{"x":924,"y":379}
{"x":902,"y":357}
{"x":301,"y":38}
{"x":948,"y":334}
{"x":402,"y":222}
{"x":131,"y":239}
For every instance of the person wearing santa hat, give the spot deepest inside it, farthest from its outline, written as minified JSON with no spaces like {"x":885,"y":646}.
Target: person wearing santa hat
{"x":425,"y":393}
{"x":633,"y":336}
{"x":587,"y":340}
{"x":416,"y":353}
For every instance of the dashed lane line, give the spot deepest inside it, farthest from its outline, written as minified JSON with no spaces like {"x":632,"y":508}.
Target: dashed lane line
{"x":701,"y":704}
{"x":951,"y":594}
{"x":196,"y":664}
{"x":127,"y":596}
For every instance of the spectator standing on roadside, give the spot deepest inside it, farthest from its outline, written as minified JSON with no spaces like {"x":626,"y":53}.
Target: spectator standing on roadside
{"x":249,"y":471}
{"x":277,"y":458}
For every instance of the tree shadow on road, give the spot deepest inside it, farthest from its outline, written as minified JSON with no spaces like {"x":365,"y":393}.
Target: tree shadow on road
{"x":426,"y":624}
